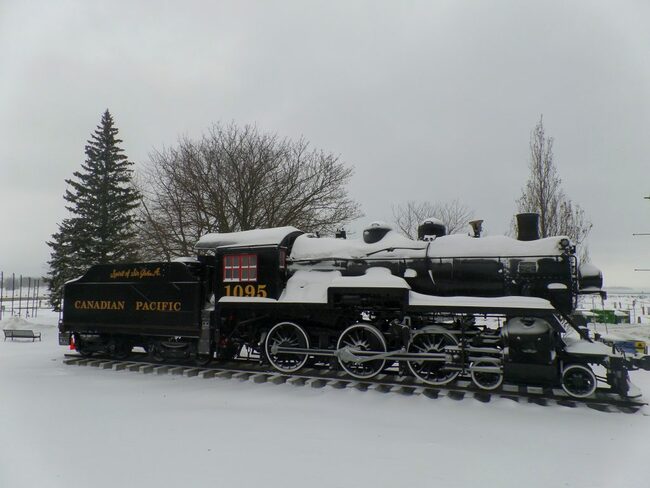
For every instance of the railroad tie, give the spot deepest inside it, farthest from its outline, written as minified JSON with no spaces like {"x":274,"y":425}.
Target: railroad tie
{"x":482,"y":396}
{"x":602,"y":400}
{"x":279,"y":379}
{"x":208,"y":373}
{"x":318,"y":383}
{"x":297,"y":381}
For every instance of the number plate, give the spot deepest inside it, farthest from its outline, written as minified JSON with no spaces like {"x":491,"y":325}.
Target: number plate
{"x":249,"y":290}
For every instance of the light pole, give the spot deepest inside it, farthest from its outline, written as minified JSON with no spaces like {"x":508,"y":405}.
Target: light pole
{"x":643,"y":234}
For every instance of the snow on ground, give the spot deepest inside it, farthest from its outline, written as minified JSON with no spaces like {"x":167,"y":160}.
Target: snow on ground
{"x":623,"y":332}
{"x":70,"y":426}
{"x":635,"y":303}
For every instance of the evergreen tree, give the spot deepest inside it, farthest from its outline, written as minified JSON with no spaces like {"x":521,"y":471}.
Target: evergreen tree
{"x":101,"y":201}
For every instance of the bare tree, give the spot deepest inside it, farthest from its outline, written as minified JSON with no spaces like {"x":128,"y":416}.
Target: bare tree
{"x":543,"y":194}
{"x":454,"y":215}
{"x":237,"y":178}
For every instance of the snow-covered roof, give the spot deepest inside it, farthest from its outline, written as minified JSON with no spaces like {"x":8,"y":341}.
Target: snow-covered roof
{"x":255,"y":237}
{"x":455,"y":245}
{"x":186,"y":260}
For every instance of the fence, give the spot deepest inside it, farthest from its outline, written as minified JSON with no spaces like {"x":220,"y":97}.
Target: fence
{"x":20,"y":296}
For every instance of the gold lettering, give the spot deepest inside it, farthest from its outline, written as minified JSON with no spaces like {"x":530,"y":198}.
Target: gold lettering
{"x":248,"y":290}
{"x":158,"y":306}
{"x":136,"y":273}
{"x":99,"y":305}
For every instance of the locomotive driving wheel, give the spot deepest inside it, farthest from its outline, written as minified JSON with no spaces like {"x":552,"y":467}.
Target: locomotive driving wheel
{"x":486,"y":379}
{"x":578,"y":380}
{"x":431,"y":372}
{"x":361,"y":337}
{"x":286,"y":334}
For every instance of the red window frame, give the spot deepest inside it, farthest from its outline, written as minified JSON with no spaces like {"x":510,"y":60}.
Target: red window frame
{"x":239,"y":268}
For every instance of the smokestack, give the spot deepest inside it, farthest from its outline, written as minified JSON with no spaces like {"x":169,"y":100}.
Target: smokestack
{"x":477,"y":227}
{"x":527,"y":226}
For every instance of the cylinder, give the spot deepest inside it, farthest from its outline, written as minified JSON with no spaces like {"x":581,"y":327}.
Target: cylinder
{"x":527,"y":226}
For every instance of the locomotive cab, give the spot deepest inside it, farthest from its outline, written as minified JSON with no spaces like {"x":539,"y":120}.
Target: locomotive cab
{"x":250,"y":271}
{"x":249,"y":263}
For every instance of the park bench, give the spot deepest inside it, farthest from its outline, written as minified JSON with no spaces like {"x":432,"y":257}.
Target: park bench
{"x":22,"y":334}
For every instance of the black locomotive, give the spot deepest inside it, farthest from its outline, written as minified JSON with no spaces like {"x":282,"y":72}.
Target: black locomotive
{"x":490,"y":309}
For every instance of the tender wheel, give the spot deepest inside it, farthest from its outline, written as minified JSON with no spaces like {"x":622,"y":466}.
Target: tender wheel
{"x":431,"y":372}
{"x":81,"y":347}
{"x":203,"y":359}
{"x":578,"y":381}
{"x":362,"y":337}
{"x":155,"y":353}
{"x":484,"y":379}
{"x":286,"y":334}
{"x":120,"y":350}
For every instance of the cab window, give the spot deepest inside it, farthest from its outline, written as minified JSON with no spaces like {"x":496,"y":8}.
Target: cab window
{"x":239,"y":267}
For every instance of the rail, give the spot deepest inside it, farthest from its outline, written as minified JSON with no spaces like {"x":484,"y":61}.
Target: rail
{"x":602,"y":400}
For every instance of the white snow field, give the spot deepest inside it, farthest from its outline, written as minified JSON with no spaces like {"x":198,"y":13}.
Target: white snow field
{"x":71,"y":426}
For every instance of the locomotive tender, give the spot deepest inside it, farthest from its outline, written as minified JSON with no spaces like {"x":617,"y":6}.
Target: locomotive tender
{"x":491,"y":309}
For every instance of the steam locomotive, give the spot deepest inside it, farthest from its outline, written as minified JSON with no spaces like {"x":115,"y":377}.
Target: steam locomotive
{"x":488,"y":309}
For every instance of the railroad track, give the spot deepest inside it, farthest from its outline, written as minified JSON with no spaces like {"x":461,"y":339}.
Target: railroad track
{"x":601,"y":400}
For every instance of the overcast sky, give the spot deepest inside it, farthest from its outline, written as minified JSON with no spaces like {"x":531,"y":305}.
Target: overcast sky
{"x":431,"y":100}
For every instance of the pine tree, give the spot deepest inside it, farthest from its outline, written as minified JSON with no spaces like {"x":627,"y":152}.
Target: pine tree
{"x":101,"y":201}
{"x":64,"y":261}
